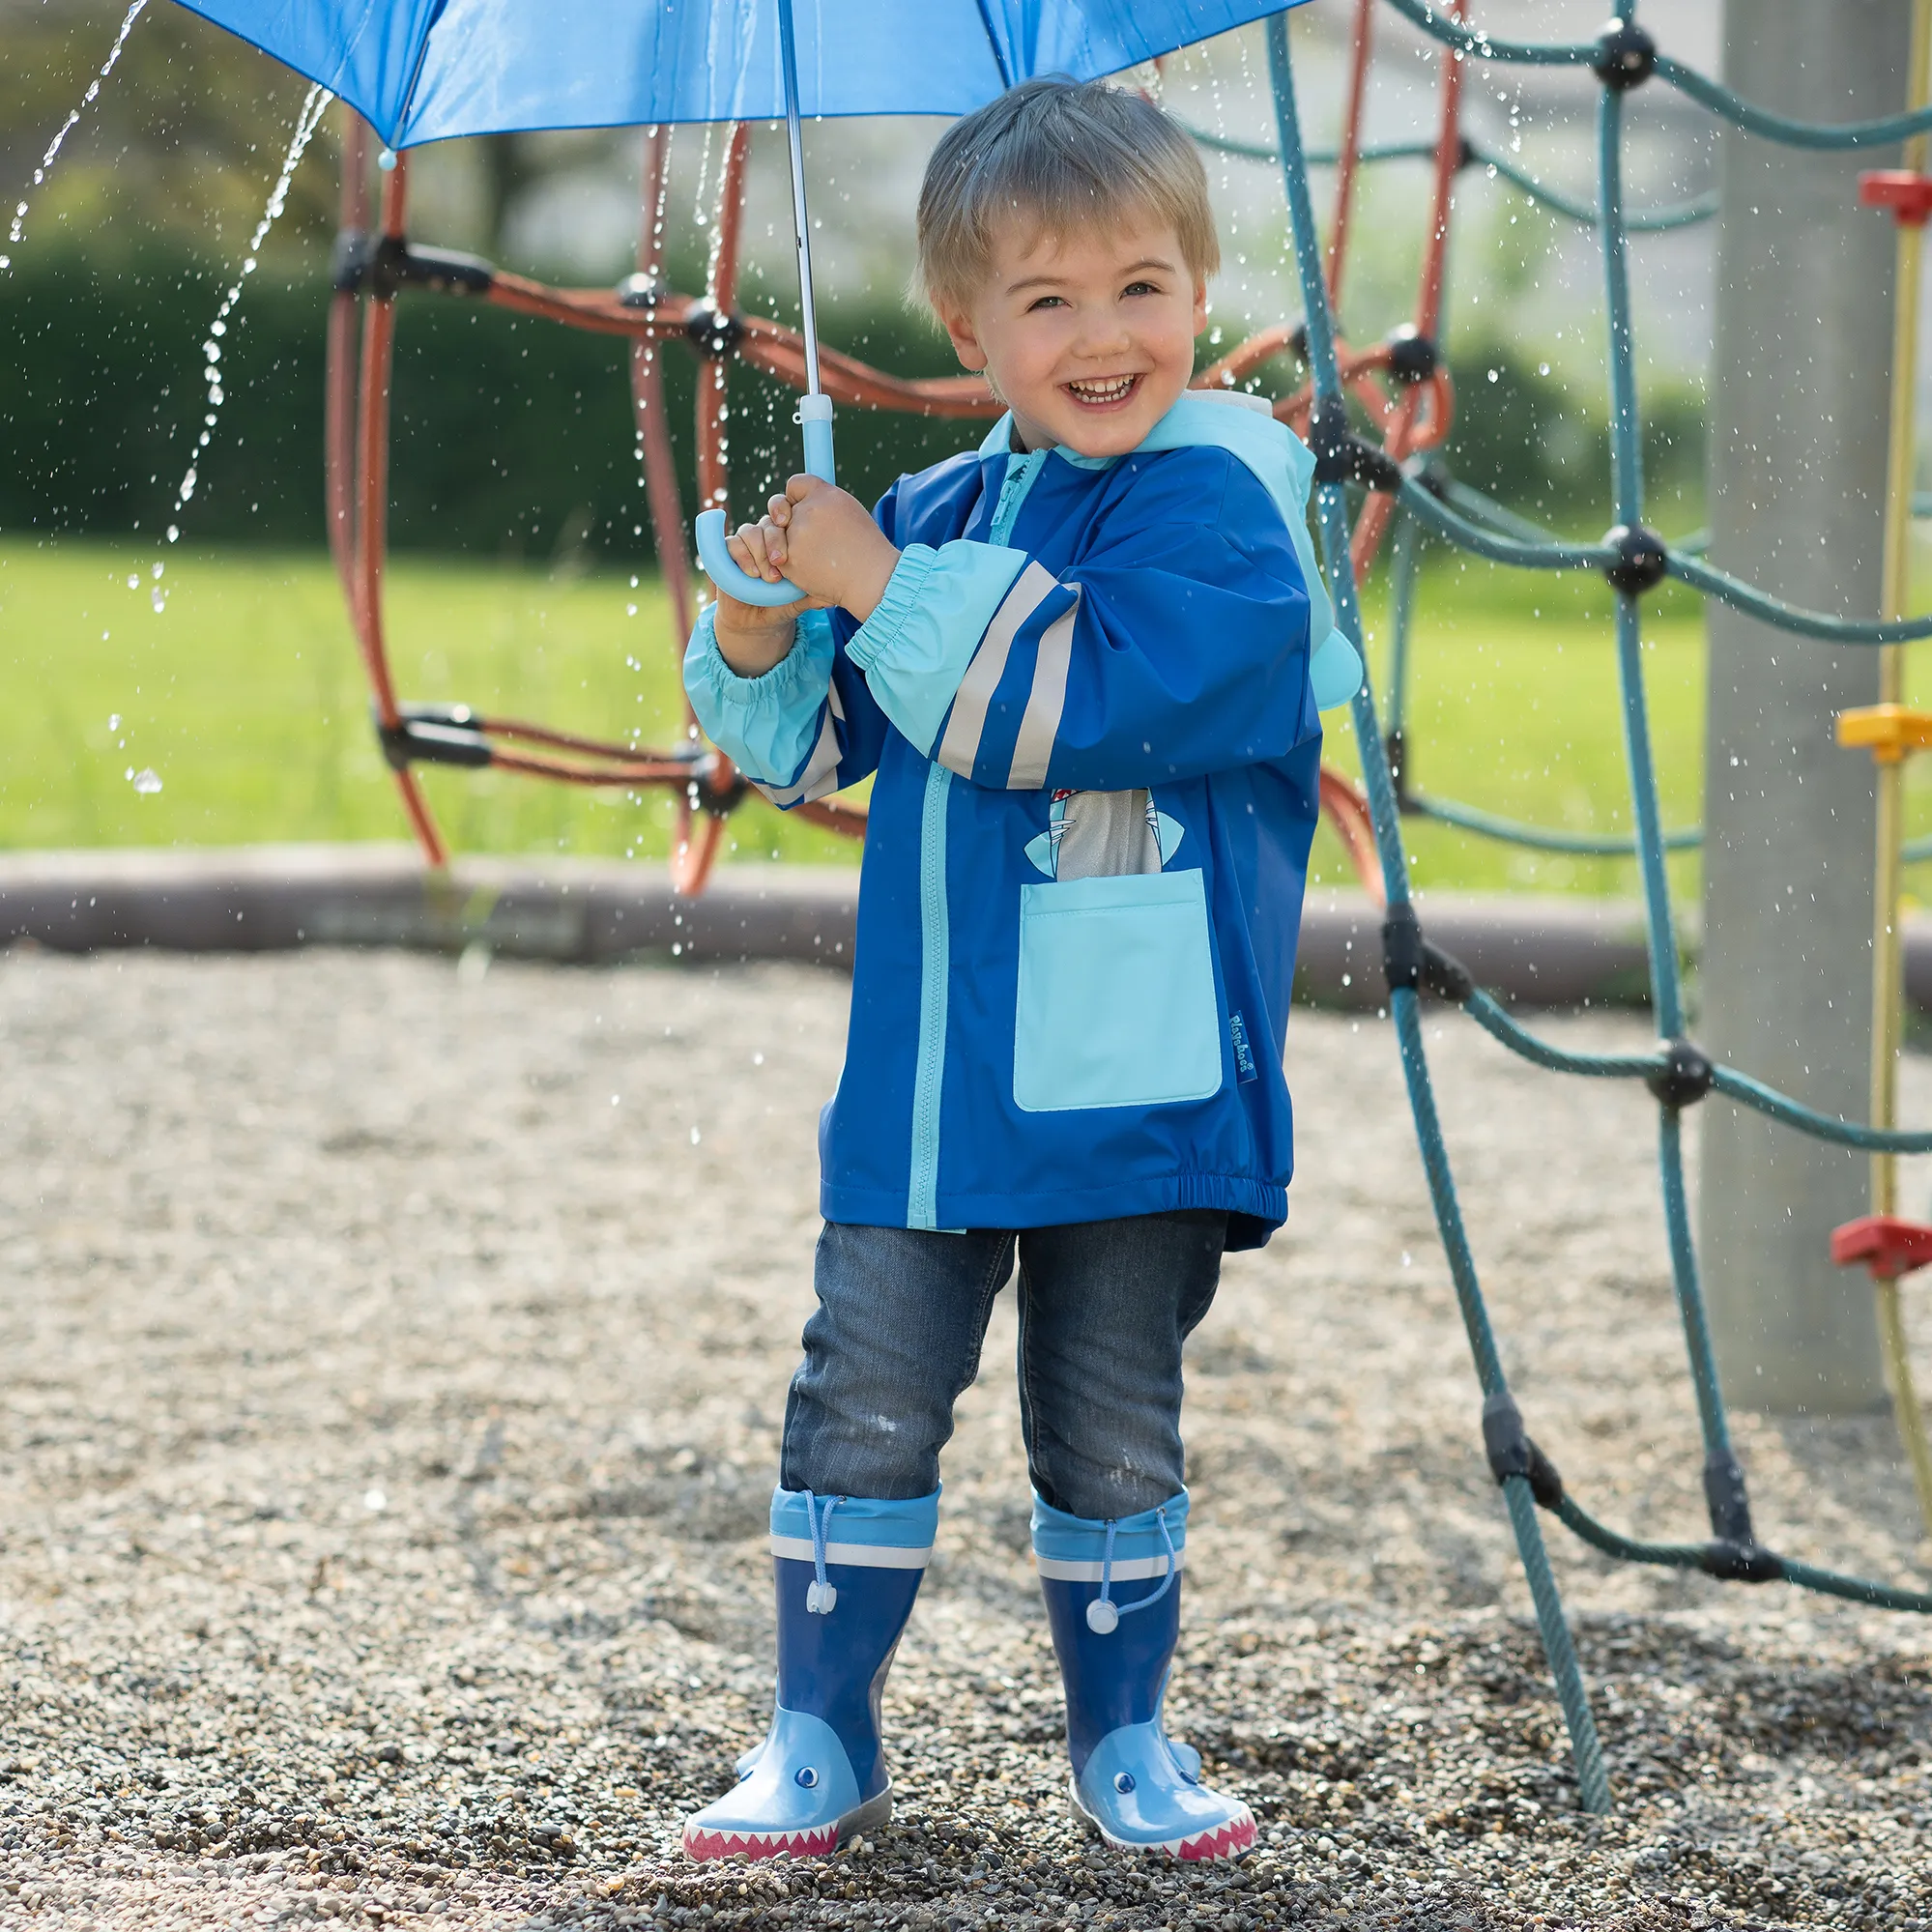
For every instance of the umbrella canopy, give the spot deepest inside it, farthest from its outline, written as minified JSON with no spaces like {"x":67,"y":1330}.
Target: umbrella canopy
{"x":432,"y":69}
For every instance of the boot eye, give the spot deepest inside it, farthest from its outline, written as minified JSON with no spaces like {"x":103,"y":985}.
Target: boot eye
{"x":1123,"y":1781}
{"x":806,"y":1776}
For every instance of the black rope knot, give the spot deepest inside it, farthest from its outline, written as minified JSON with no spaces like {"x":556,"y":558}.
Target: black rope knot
{"x":1409,"y":961}
{"x":706,"y":794}
{"x":398,"y":264}
{"x":1434,"y":477}
{"x":349,"y":257}
{"x":1743,"y":1563}
{"x":1342,"y":457}
{"x":1511,"y":1452}
{"x":713,"y":336}
{"x":1396,"y":749}
{"x":1683,"y":1079}
{"x":1413,"y":357}
{"x":1641,"y":558}
{"x":434,"y":734}
{"x":640,"y":291}
{"x":1625,"y":56}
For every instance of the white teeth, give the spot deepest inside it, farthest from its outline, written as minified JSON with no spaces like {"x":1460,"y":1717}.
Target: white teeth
{"x":1110,"y":390}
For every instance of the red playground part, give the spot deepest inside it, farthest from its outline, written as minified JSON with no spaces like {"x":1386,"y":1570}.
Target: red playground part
{"x":1908,"y":196}
{"x":1887,"y":1243}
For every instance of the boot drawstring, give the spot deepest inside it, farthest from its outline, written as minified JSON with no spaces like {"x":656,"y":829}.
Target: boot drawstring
{"x":819,"y":1595}
{"x":1104,"y":1614}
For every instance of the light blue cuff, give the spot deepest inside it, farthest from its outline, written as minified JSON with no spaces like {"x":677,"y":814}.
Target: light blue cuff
{"x":1078,"y":1540}
{"x":767,"y":725}
{"x":860,"y":1519}
{"x":916,"y":644}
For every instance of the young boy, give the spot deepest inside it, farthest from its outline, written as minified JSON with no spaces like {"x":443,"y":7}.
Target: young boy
{"x":1077,"y":663}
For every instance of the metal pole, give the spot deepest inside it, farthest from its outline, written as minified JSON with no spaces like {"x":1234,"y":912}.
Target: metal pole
{"x":1798,"y":469}
{"x":1887,"y":989}
{"x":801,"y":220}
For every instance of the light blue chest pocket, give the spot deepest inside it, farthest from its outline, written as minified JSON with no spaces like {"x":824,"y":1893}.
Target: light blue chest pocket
{"x":1116,"y":1005}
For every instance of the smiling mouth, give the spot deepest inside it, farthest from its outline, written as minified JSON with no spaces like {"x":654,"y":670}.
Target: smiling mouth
{"x":1102,"y":392}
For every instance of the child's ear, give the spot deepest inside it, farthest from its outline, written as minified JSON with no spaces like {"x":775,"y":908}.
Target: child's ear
{"x":958,"y":325}
{"x":1199,"y":306}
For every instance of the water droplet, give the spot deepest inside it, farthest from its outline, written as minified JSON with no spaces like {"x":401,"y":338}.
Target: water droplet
{"x":113,"y":717}
{"x":630,"y":610}
{"x":134,"y":582}
{"x":375,"y":1500}
{"x":158,"y":568}
{"x":160,"y":600}
{"x":174,"y":533}
{"x":695,"y":1136}
{"x":147,"y":781}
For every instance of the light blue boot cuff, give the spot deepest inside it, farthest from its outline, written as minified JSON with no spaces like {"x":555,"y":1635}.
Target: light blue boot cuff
{"x":849,"y":1525}
{"x":1061,"y":1539}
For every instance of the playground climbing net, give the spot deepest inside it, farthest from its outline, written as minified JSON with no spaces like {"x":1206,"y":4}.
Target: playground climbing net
{"x":1402,"y":389}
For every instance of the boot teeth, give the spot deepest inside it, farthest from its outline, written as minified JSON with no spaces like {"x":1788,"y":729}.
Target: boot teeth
{"x":1237,"y":1835}
{"x":707,"y":1846}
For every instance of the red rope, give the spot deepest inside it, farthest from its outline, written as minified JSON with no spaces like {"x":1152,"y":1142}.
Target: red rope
{"x":1412,"y":416}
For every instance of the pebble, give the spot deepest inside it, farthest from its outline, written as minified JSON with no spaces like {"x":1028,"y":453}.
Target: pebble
{"x":280,"y":1232}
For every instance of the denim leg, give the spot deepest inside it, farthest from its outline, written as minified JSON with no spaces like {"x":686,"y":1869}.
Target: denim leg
{"x":895,"y":1340}
{"x":1105,"y":1307}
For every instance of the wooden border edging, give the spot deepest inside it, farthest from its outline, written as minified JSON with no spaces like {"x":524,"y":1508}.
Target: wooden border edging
{"x":1541,"y":951}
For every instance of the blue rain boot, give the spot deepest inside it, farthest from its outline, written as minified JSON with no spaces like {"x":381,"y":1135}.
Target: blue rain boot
{"x":1131,"y":1782}
{"x":847,"y":1572}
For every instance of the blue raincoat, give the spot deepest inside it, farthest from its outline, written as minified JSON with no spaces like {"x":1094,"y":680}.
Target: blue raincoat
{"x":1086,"y":696}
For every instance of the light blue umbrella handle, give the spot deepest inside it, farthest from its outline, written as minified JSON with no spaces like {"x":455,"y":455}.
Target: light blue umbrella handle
{"x":814,"y":409}
{"x":815,"y":416}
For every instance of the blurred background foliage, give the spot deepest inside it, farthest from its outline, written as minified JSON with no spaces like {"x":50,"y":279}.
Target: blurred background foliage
{"x":524,"y":580}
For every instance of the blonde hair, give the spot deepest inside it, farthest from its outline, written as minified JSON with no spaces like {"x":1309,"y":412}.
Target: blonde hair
{"x":1061,"y":155}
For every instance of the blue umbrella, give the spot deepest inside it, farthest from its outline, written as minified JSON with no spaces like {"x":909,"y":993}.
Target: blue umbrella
{"x":424,"y":70}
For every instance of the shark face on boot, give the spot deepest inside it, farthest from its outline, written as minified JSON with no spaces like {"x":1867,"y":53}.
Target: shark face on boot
{"x":846,"y":1570}
{"x":1131,"y":1782}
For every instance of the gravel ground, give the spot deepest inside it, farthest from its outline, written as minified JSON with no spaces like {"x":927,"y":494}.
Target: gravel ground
{"x":393,"y":1359}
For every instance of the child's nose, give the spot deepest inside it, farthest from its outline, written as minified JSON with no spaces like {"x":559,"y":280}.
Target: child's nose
{"x":1102,"y":334}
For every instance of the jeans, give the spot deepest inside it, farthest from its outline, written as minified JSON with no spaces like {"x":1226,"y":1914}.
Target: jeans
{"x":1105,"y":1307}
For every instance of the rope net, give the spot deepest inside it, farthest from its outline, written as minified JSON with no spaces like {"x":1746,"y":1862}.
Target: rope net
{"x":1382,"y":487}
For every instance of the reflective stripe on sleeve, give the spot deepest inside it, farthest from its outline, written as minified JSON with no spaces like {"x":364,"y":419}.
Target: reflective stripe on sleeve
{"x":960,"y":746}
{"x":1040,"y":725}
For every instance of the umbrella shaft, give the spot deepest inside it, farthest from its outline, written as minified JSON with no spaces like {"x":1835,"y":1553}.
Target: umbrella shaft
{"x":800,"y":219}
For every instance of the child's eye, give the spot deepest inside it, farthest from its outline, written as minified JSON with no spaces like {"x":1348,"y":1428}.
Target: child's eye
{"x":1046,"y":302}
{"x":1142,"y":288}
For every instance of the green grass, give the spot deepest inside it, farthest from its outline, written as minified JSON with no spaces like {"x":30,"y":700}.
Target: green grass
{"x":1513,"y":708}
{"x":245,"y":697}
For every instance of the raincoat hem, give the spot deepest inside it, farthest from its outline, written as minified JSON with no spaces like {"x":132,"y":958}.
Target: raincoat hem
{"x":1263,"y":1206}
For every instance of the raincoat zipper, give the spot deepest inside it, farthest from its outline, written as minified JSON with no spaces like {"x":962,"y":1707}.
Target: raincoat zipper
{"x":922,"y":1188}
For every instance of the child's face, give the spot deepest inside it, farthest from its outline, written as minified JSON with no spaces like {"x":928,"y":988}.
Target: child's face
{"x":1088,"y":339}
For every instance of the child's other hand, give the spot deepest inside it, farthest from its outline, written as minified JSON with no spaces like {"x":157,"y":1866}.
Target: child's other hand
{"x":827,"y":543}
{"x":752,"y":638}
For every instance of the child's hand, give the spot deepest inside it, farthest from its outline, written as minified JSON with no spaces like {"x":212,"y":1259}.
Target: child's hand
{"x":752,"y":638}
{"x":827,"y":542}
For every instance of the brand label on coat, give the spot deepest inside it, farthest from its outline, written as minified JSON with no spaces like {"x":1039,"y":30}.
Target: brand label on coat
{"x":1244,"y":1056}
